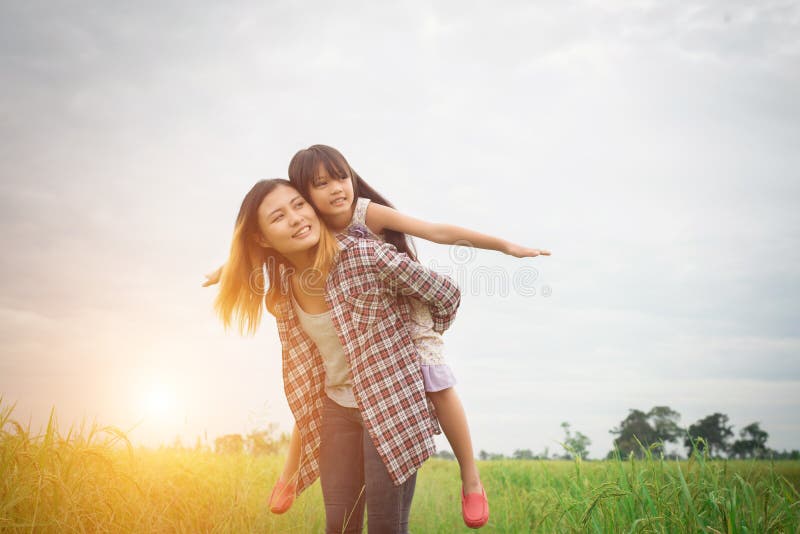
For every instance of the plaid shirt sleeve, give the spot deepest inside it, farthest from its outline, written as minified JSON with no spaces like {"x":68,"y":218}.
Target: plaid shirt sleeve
{"x":412,"y":279}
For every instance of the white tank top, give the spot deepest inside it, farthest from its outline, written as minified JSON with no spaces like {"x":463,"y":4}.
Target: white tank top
{"x":338,"y":377}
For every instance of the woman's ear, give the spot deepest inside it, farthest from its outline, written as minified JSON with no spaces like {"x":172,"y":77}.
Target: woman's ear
{"x":261,"y":240}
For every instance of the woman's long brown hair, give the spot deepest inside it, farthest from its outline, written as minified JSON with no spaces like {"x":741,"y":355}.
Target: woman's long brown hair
{"x":241,"y":292}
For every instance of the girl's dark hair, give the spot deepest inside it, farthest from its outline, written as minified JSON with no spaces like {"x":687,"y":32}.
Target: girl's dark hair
{"x":303,"y":171}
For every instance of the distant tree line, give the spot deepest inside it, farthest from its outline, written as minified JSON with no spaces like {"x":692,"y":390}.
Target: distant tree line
{"x":257,"y":442}
{"x":637,"y":435}
{"x":642,"y":432}
{"x":712,"y":435}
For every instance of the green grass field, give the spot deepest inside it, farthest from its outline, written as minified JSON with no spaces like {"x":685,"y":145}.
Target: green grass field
{"x":93,"y":481}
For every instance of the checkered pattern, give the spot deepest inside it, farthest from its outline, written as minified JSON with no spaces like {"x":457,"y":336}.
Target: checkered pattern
{"x":366,"y":291}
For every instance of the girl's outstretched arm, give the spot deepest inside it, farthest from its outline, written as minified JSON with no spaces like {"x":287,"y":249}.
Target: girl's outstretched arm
{"x":381,"y":217}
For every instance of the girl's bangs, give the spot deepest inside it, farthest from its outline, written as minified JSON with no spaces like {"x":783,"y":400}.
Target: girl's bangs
{"x":310,"y":164}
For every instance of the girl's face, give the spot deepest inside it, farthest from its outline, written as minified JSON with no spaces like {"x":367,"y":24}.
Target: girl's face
{"x":331,"y":195}
{"x":288,"y":223}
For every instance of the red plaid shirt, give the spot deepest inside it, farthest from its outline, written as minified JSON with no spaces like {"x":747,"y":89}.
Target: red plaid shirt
{"x":364,"y":291}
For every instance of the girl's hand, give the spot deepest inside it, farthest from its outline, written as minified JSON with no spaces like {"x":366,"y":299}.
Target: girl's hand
{"x":213,"y":278}
{"x":525,"y":252}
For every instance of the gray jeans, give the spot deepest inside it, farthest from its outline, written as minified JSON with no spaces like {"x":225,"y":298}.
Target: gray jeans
{"x":352,"y":474}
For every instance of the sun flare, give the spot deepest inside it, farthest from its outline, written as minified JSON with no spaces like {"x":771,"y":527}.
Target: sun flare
{"x":159,"y":402}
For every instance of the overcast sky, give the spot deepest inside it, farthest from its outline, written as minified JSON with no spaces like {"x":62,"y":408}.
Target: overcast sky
{"x":653,"y":147}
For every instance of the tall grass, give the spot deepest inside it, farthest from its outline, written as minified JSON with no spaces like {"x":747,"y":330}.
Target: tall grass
{"x":651,"y":495}
{"x":93,"y":480}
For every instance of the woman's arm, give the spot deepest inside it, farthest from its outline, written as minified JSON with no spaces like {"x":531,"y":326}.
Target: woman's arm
{"x":410,"y":278}
{"x":381,"y":217}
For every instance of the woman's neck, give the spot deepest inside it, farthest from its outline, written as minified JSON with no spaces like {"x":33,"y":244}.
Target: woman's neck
{"x":302,"y":260}
{"x":308,"y":284}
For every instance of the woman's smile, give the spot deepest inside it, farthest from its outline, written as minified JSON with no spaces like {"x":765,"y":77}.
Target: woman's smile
{"x":302,"y":232}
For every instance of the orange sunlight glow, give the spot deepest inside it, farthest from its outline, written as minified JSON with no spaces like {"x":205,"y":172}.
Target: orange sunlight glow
{"x":159,"y":403}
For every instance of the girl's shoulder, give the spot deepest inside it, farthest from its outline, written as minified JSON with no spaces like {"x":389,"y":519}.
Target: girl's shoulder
{"x":360,"y":211}
{"x":358,"y":223}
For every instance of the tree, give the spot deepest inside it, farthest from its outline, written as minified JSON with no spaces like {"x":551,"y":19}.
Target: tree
{"x":523,"y":454}
{"x":265,"y":442}
{"x":483,"y":455}
{"x":714,"y":430}
{"x":445,"y":455}
{"x":783,"y":455}
{"x":752,"y":442}
{"x":659,"y":425}
{"x":229,"y":443}
{"x":575,"y":446}
{"x":664,"y":421}
{"x":634,"y":426}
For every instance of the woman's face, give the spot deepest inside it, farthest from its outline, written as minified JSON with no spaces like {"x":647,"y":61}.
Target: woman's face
{"x":288,"y":223}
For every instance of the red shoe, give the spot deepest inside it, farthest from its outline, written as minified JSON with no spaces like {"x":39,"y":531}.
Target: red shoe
{"x":474,"y":508}
{"x":282,"y":497}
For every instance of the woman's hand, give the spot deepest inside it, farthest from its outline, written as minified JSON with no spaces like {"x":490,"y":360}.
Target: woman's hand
{"x":524,"y":252}
{"x":213,"y":278}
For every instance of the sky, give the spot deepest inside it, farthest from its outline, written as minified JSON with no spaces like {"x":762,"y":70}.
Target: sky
{"x":653,"y":147}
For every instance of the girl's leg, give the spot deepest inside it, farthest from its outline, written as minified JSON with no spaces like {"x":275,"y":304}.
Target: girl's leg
{"x":454,"y":424}
{"x":292,"y":465}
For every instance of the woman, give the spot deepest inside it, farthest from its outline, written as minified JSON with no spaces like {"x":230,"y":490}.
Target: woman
{"x":351,"y":373}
